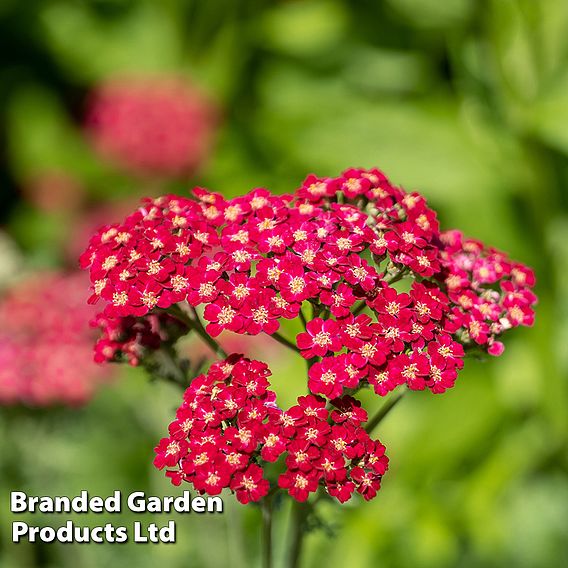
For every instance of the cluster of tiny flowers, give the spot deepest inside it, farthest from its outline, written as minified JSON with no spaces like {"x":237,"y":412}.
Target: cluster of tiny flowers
{"x":488,"y":293}
{"x":130,"y":339}
{"x":330,"y":448}
{"x":45,"y":343}
{"x":405,"y":343}
{"x":229,"y":427}
{"x":149,"y":127}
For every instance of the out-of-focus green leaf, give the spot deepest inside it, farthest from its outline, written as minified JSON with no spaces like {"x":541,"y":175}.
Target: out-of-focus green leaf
{"x":535,"y":514}
{"x":41,"y":137}
{"x":326,"y":127}
{"x":431,"y":14}
{"x":557,"y":236}
{"x":548,"y":116}
{"x":550,"y":18}
{"x":389,"y":71}
{"x":42,"y":236}
{"x":304,"y":28}
{"x":143,"y":39}
{"x":11,"y":261}
{"x":515,"y":51}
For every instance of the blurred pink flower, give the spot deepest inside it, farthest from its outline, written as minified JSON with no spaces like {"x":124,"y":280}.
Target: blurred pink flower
{"x":157,"y":127}
{"x":46,"y":343}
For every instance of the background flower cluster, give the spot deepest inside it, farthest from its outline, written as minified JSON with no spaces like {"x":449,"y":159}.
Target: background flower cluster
{"x":45,"y":347}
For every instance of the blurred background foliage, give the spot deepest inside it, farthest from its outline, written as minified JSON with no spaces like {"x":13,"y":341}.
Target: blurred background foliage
{"x":463,"y":100}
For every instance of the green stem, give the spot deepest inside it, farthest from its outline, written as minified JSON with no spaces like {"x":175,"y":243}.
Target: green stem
{"x":395,"y":277}
{"x":284,"y":341}
{"x":303,"y":318}
{"x":272,"y":491}
{"x":266,"y":536}
{"x":171,"y":368}
{"x":200,"y":329}
{"x":384,"y":410}
{"x":298,"y":526}
{"x":194,"y":322}
{"x":360,"y":307}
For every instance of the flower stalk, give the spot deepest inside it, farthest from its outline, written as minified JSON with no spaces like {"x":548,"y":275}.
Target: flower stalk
{"x":266,"y":506}
{"x":200,"y":329}
{"x":194,"y":323}
{"x":385,"y":409}
{"x":298,"y":519}
{"x":285,"y":341}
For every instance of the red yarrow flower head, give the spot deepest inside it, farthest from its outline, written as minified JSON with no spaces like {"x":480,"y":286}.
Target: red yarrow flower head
{"x":386,"y":300}
{"x":229,"y":428}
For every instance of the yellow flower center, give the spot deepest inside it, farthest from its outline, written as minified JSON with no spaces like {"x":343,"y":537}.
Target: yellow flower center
{"x":322,"y":338}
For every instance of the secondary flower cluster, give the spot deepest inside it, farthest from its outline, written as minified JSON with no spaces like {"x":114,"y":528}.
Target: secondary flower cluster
{"x":130,"y":339}
{"x":330,"y":448}
{"x":229,"y":427}
{"x":45,"y":344}
{"x":488,"y":293}
{"x":153,"y":128}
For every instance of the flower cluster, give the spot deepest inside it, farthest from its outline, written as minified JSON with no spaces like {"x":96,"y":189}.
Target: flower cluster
{"x":131,"y":339}
{"x":229,"y":427}
{"x":145,"y":262}
{"x":214,"y":439}
{"x":488,"y":293}
{"x":330,"y":448}
{"x":405,"y":343}
{"x":153,"y":128}
{"x":45,"y":344}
